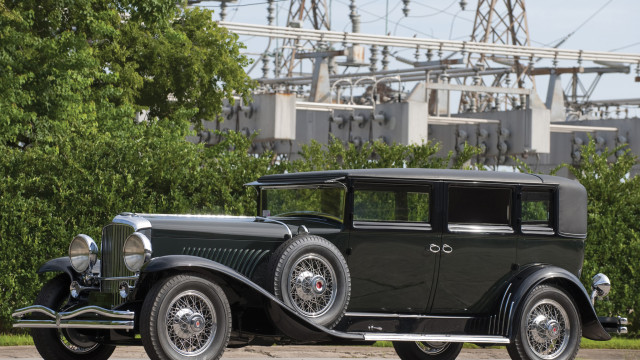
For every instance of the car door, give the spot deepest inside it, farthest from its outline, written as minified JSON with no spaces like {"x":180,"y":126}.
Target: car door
{"x":478,"y":248}
{"x":391,"y":264}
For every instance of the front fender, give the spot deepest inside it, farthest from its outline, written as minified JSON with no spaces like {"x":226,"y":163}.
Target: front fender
{"x":61,"y":264}
{"x":286,"y":319}
{"x":530,"y":277}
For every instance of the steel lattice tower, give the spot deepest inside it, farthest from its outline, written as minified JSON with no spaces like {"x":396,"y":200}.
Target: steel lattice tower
{"x":500,"y":22}
{"x":302,"y":13}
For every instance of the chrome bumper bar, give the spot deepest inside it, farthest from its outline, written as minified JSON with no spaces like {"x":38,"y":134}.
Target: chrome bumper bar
{"x":88,"y":317}
{"x":614,"y":325}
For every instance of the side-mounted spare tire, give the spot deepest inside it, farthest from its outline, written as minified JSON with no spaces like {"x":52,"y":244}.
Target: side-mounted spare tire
{"x":309,"y":274}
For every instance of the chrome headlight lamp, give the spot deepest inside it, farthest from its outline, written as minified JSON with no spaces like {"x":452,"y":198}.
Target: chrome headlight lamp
{"x":83,"y":253}
{"x":136,"y":251}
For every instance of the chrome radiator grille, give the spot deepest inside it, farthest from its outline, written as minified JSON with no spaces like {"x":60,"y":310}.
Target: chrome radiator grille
{"x":112,"y":263}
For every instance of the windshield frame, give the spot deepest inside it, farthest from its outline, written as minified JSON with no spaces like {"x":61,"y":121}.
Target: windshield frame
{"x":325,"y":185}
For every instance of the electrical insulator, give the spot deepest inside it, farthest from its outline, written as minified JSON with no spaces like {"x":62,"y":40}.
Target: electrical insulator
{"x":463,"y":5}
{"x":358,"y":119}
{"x":338,"y":120}
{"x":405,"y":7}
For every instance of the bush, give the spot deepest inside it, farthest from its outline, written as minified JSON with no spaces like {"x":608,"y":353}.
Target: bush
{"x":613,"y":240}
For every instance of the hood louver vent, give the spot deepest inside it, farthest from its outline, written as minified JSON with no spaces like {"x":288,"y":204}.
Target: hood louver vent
{"x":243,"y":261}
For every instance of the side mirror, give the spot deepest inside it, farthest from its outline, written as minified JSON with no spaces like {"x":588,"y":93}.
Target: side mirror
{"x":600,"y":286}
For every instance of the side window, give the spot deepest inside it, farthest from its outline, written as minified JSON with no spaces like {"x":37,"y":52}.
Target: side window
{"x":386,"y":204}
{"x":472,"y":206}
{"x":536,"y":211}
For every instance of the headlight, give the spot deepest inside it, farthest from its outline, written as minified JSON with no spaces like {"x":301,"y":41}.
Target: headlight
{"x":137,"y":251}
{"x":83,"y":253}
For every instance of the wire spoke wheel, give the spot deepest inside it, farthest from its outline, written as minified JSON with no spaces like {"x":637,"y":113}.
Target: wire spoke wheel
{"x":312,"y":285}
{"x":547,"y":329}
{"x":190,"y":323}
{"x":74,"y":346}
{"x":548,"y":326}
{"x":430,"y":348}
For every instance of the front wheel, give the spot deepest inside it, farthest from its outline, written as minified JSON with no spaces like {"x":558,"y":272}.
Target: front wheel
{"x":422,"y":350}
{"x":64,"y":344}
{"x":185,"y":317}
{"x":548,"y":327}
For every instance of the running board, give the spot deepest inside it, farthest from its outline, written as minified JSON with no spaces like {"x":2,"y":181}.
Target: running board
{"x":477,"y":339}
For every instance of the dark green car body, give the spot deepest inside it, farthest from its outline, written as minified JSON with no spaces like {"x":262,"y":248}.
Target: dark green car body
{"x":432,"y":254}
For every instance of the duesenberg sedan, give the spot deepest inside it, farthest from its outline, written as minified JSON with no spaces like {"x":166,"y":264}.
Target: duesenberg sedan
{"x":427,"y":259}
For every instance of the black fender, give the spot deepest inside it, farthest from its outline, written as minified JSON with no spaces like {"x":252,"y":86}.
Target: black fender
{"x":286,"y":319}
{"x":61,"y":264}
{"x":528,"y":278}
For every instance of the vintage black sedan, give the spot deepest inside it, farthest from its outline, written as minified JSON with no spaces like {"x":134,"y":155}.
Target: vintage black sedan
{"x":427,"y":259}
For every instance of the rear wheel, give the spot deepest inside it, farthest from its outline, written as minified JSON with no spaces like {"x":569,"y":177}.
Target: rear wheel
{"x":548,"y":327}
{"x":421,"y":350}
{"x":64,"y":344}
{"x":185,"y":317}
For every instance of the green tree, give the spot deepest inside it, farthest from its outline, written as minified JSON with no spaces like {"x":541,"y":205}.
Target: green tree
{"x":86,"y":66}
{"x":613,"y":240}
{"x":73,"y":74}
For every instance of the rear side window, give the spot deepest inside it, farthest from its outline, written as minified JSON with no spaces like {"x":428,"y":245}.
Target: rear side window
{"x":480,"y":206}
{"x":398,"y":204}
{"x":536,"y":212}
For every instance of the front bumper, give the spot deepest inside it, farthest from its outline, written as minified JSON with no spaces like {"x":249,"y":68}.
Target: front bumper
{"x":614,"y":325}
{"x":88,"y":317}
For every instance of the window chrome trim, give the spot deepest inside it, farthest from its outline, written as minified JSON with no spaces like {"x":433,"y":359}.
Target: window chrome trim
{"x":481,"y":229}
{"x":537,"y":230}
{"x":391,"y":225}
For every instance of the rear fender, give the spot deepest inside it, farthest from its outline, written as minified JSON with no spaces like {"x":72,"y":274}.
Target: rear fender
{"x":530,"y":277}
{"x":284,"y":318}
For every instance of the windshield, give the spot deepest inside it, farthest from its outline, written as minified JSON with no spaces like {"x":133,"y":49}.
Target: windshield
{"x":317,"y":200}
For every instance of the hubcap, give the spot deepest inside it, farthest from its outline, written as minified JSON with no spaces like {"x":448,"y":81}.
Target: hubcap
{"x":432,"y":348}
{"x":190,"y":323}
{"x":312,"y":285}
{"x":547,"y":329}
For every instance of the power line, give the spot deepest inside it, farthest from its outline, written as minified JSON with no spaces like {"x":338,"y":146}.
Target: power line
{"x":626,"y":46}
{"x":442,"y":10}
{"x":402,"y":26}
{"x":242,"y":5}
{"x":562,"y":40}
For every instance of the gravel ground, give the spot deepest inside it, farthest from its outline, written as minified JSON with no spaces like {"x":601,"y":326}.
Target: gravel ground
{"x":322,"y":352}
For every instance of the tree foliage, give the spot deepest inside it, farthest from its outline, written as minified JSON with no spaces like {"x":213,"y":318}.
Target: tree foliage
{"x":76,"y":68}
{"x":613,"y":240}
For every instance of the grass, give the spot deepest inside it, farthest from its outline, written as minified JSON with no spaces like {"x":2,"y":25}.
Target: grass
{"x":15,"y":340}
{"x":615,"y":343}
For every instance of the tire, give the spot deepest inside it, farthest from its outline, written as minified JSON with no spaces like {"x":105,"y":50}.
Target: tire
{"x":547,"y":327}
{"x":310,"y":275}
{"x":185,"y":317}
{"x":421,"y":350}
{"x":64,"y":344}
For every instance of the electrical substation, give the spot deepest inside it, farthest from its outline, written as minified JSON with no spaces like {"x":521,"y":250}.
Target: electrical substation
{"x":481,"y":91}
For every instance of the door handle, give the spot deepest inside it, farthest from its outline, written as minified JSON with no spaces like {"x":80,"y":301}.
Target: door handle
{"x":447,"y":249}
{"x":434,"y":248}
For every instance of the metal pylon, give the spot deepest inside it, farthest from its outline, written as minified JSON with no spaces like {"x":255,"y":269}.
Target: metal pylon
{"x":310,"y":14}
{"x":498,"y":22}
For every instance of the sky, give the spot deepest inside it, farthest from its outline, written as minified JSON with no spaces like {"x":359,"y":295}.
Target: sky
{"x":601,"y":25}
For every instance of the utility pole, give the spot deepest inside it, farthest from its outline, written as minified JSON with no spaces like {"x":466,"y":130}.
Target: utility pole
{"x":310,"y":14}
{"x":498,"y":22}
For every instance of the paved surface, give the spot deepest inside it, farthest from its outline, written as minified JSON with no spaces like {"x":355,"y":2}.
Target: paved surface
{"x":322,"y":352}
